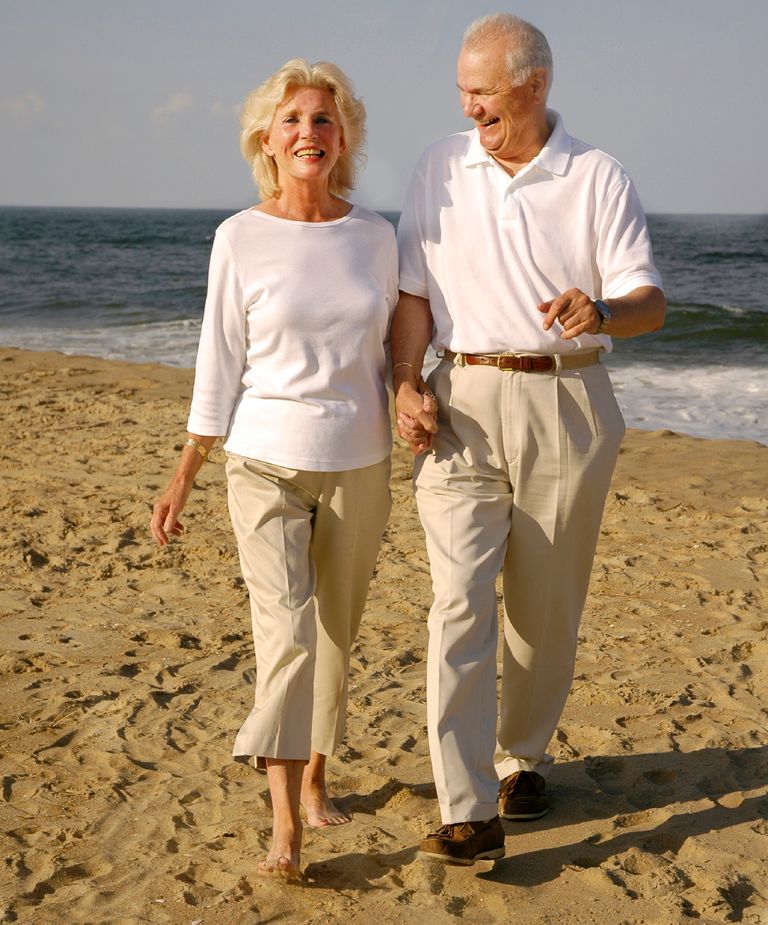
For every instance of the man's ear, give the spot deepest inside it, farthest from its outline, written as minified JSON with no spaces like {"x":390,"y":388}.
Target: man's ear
{"x":538,"y":84}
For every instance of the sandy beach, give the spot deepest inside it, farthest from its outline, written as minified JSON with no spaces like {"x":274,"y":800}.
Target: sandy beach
{"x":126,"y":670}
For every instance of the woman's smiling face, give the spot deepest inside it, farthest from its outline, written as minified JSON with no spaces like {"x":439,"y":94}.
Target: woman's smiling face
{"x":305,"y":138}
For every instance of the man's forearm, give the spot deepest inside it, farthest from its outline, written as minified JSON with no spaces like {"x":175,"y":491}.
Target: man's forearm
{"x":410,"y":335}
{"x":640,"y":312}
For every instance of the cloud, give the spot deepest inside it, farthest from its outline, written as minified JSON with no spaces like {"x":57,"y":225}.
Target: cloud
{"x":28,"y":104}
{"x":222,"y":109}
{"x":176,"y":103}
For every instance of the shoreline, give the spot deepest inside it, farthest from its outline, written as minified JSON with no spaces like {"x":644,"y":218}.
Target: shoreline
{"x":167,"y":374}
{"x":127,"y":670}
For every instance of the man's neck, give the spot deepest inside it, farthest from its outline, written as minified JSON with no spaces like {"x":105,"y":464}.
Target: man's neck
{"x":534,"y":141}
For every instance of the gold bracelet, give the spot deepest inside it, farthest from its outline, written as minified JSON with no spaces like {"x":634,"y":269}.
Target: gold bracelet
{"x":197,"y":445}
{"x":403,"y":363}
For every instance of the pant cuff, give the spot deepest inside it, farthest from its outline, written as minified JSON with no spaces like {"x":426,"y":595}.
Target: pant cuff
{"x":468,"y":812}
{"x":510,"y":765}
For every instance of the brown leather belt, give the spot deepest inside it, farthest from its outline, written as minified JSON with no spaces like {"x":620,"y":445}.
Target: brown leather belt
{"x":526,"y":363}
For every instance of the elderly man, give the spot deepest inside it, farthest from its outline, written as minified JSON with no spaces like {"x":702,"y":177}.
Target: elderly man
{"x":522,"y":251}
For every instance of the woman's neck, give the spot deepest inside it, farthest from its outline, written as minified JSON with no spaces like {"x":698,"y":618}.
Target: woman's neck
{"x":305,"y":203}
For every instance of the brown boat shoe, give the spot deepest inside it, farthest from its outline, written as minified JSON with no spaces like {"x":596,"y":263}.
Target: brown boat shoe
{"x":522,"y":796}
{"x":465,"y":842}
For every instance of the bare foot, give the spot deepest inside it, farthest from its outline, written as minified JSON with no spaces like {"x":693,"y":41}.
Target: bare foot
{"x":284,"y":776}
{"x":279,"y":866}
{"x":320,"y":808}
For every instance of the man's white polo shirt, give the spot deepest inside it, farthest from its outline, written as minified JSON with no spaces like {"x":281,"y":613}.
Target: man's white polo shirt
{"x":486,"y":248}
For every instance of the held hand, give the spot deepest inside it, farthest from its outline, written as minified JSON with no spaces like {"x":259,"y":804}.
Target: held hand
{"x":165,"y":512}
{"x":416,"y":416}
{"x":575,"y":311}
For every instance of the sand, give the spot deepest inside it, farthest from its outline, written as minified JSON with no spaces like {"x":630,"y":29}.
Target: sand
{"x":126,"y":671}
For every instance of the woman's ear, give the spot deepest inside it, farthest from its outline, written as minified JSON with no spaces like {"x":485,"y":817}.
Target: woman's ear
{"x":266,"y":147}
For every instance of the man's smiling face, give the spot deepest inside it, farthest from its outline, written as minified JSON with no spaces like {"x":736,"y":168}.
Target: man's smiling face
{"x":507,"y":117}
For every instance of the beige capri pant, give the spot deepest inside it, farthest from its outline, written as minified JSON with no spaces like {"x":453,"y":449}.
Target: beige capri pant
{"x":517,"y":480}
{"x":308,"y":543}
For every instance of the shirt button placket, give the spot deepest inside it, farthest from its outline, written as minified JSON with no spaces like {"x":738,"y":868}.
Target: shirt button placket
{"x":510,"y":205}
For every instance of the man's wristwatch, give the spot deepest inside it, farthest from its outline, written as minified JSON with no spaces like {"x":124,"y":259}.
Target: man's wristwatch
{"x":604,"y":312}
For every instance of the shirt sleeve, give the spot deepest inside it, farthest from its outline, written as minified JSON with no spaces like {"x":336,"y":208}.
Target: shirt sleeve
{"x":624,"y":253}
{"x":411,"y":238}
{"x":221,"y":353}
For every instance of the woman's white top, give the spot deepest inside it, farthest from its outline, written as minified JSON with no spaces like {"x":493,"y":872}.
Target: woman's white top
{"x":291,"y":364}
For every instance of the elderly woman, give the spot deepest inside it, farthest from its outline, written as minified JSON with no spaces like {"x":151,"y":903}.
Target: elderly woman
{"x":291,"y":369}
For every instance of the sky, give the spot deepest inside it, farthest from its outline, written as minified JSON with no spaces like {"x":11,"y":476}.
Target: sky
{"x":107,"y":103}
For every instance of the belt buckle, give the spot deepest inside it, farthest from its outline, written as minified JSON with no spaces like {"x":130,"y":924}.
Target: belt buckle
{"x":507,"y":362}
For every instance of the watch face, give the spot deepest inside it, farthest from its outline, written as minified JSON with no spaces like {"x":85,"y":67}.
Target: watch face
{"x":605,"y":312}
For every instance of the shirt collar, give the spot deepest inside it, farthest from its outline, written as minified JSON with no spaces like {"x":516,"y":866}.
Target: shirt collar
{"x":554,"y":157}
{"x":476,"y":153}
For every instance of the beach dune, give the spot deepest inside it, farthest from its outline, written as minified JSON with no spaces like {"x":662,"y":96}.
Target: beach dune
{"x":126,"y":670}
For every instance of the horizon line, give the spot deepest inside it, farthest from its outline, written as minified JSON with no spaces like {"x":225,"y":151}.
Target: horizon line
{"x":241,"y":208}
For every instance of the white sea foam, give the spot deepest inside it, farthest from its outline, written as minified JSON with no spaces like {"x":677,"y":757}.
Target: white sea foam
{"x":172,"y":343}
{"x":703,"y":401}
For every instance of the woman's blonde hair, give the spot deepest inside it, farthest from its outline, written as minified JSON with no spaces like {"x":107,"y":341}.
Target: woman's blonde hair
{"x":259,"y":111}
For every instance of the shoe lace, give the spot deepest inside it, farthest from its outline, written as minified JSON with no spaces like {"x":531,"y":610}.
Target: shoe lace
{"x":522,"y":784}
{"x":446,"y":831}
{"x":441,"y":832}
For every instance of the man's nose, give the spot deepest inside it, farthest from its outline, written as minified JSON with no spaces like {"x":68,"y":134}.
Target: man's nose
{"x":469,"y":104}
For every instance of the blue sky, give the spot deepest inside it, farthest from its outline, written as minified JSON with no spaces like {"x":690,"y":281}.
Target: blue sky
{"x":106,"y":103}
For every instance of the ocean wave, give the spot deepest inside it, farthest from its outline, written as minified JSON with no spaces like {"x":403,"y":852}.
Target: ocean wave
{"x":707,"y":257}
{"x":714,"y":308}
{"x":701,"y":401}
{"x":171,"y":343}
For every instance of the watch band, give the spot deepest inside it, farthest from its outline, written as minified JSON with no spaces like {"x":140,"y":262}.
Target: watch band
{"x":604,"y":312}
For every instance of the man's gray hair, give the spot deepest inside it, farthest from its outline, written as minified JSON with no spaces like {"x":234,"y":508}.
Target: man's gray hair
{"x":527,"y":46}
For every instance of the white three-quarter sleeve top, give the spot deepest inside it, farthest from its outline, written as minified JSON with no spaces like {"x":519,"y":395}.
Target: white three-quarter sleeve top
{"x":291,"y":364}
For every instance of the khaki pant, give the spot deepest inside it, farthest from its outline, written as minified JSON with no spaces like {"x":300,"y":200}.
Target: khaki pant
{"x":308,"y":543}
{"x":517,"y":479}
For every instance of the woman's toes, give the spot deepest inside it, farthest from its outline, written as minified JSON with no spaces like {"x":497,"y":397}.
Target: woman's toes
{"x":279,"y":867}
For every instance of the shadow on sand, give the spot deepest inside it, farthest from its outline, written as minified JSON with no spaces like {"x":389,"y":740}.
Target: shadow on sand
{"x":626,"y":788}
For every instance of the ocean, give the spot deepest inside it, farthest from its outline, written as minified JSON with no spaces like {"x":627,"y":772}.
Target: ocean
{"x":130,"y":284}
